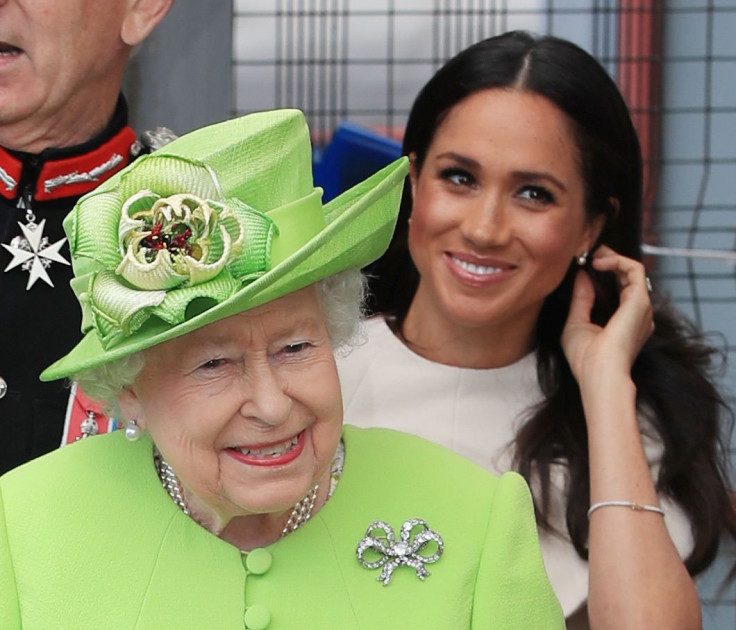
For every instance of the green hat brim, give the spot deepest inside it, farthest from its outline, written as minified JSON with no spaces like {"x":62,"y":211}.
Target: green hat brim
{"x":359,"y":226}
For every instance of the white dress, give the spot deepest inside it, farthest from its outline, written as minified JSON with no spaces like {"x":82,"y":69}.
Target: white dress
{"x":475,"y":413}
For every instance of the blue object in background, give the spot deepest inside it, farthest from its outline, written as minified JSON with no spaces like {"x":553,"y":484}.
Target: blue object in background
{"x":354,"y":153}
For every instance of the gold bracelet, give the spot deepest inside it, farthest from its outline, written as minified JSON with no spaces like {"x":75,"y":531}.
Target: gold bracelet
{"x":629,"y":504}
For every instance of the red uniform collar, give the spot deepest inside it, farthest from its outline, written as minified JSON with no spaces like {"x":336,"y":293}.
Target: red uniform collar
{"x":69,"y":176}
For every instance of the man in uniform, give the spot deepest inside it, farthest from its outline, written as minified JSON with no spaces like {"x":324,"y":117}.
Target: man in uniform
{"x":63,"y":130}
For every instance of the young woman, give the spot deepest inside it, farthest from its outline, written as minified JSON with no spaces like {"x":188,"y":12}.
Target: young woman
{"x":515,"y":325}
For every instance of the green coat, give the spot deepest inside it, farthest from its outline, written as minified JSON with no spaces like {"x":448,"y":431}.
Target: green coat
{"x":90,"y":539}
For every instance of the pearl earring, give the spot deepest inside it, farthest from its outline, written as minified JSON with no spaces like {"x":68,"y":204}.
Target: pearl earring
{"x":582,"y":259}
{"x":132,"y":431}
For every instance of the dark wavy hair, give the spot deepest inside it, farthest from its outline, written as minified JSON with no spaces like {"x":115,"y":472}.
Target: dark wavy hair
{"x":674,"y":371}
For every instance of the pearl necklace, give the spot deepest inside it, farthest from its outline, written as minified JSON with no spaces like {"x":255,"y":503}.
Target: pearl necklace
{"x":300,"y":514}
{"x":170,"y":481}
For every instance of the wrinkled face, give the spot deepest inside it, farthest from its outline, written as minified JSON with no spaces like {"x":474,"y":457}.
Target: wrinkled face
{"x":56,"y":56}
{"x":498,"y":211}
{"x":247,"y":410}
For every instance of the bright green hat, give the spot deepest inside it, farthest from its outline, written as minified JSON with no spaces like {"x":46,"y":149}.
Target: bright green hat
{"x":219,"y":221}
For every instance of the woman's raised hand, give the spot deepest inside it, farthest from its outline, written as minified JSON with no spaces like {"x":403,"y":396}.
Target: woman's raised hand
{"x":594,"y":350}
{"x":634,"y":566}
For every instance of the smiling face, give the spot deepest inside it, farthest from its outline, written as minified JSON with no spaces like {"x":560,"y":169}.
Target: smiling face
{"x":247,"y":410}
{"x":498,"y":217}
{"x":61,"y":64}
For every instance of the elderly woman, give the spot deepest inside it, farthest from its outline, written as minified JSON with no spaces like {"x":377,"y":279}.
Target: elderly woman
{"x":214,"y":285}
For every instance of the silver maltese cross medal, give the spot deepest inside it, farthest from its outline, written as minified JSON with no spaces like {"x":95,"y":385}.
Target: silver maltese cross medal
{"x":380,"y":549}
{"x":32,"y":251}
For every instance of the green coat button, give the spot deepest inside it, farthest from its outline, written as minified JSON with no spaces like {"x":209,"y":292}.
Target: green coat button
{"x":257,"y":617}
{"x":258,"y":561}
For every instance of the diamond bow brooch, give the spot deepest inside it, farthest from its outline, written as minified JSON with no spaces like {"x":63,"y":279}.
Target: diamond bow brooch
{"x":380,"y":549}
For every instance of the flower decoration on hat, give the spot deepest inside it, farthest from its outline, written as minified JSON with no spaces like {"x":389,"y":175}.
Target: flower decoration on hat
{"x":163,"y":243}
{"x":181,"y":239}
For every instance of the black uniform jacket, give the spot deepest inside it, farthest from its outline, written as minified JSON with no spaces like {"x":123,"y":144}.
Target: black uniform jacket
{"x":40,"y":323}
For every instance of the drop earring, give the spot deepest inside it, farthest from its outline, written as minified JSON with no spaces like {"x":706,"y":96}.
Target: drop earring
{"x":132,"y":431}
{"x":582,"y":259}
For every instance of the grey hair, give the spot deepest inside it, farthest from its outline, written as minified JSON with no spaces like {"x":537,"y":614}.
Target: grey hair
{"x":104,"y":382}
{"x":342,"y":297}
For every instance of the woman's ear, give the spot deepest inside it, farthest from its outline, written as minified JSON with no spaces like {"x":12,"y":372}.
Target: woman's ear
{"x":615,"y":207}
{"x":141,"y":18}
{"x":595,"y":228}
{"x":130,"y":406}
{"x":593,"y":232}
{"x":413,"y":174}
